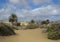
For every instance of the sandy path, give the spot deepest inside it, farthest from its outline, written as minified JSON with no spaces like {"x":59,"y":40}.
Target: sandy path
{"x":34,"y":35}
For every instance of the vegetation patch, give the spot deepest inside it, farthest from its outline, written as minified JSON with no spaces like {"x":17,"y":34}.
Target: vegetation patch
{"x":54,"y":32}
{"x":32,"y":26}
{"x":6,"y":30}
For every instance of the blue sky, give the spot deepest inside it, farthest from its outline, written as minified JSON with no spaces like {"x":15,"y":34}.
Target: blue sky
{"x":30,"y":9}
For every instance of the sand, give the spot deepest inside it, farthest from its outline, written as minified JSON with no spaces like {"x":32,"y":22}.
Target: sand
{"x":32,"y":35}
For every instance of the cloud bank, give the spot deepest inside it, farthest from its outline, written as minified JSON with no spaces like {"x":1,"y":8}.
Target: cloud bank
{"x":22,"y":8}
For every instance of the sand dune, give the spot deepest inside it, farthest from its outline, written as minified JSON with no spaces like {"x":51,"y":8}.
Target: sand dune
{"x":32,"y":35}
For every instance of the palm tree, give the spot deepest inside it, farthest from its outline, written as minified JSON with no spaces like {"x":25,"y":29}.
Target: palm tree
{"x":13,"y":18}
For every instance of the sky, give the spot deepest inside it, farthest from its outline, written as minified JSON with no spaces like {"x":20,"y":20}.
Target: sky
{"x":27,"y":10}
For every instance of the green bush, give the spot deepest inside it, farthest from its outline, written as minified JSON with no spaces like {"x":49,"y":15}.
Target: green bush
{"x":18,"y":24}
{"x":6,"y":30}
{"x":45,"y":22}
{"x":32,"y":26}
{"x":32,"y":21}
{"x":53,"y":32}
{"x":53,"y":35}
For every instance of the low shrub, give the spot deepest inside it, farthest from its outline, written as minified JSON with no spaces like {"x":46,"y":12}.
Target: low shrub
{"x":18,"y":24}
{"x":6,"y":30}
{"x":53,"y":32}
{"x":32,"y":26}
{"x":53,"y":35}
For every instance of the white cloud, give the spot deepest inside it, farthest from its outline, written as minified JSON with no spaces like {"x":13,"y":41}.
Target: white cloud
{"x":23,"y":13}
{"x":22,"y":3}
{"x":48,"y":10}
{"x":1,"y":10}
{"x":38,"y":13}
{"x":14,"y":1}
{"x":42,"y":13}
{"x":39,"y":2}
{"x":5,"y":12}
